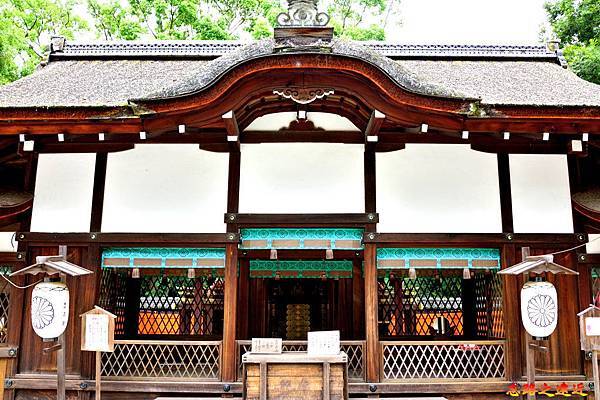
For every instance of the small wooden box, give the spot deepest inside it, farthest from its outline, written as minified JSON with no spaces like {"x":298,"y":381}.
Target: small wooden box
{"x":295,"y":375}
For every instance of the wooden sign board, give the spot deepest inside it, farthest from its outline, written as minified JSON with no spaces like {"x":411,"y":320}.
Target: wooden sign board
{"x":592,"y":326}
{"x":323,"y":343}
{"x":98,"y":330}
{"x":266,"y":346}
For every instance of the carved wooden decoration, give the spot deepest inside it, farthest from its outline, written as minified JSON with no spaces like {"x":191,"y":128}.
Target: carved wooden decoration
{"x":303,"y":95}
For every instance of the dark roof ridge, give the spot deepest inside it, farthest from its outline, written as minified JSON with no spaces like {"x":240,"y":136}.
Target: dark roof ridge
{"x":64,"y":49}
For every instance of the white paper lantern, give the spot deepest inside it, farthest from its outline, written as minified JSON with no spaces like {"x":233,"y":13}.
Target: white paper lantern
{"x":539,"y":308}
{"x":49,"y":309}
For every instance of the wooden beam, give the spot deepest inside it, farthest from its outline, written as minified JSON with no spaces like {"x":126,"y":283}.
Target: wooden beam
{"x":303,"y":219}
{"x":98,"y":192}
{"x":204,"y":239}
{"x":474,"y":239}
{"x":228,"y":356}
{"x":505,"y":192}
{"x":371,"y":313}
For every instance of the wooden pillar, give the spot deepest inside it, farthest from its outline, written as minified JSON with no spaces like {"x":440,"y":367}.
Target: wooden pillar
{"x":371,"y":311}
{"x":92,"y":262}
{"x":505,"y":192}
{"x":243,"y":299}
{"x":228,"y":362}
{"x":370,"y":183}
{"x":357,"y":300}
{"x":512,"y":316}
{"x":98,"y":192}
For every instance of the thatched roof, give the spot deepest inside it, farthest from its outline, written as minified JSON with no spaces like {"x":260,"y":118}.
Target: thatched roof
{"x":114,"y":74}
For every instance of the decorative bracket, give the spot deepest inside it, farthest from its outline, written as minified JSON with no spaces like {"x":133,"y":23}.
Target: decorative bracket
{"x":303,"y":95}
{"x":303,"y":13}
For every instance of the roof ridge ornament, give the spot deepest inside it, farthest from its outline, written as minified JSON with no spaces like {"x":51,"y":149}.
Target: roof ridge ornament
{"x":303,"y":13}
{"x":303,"y":28}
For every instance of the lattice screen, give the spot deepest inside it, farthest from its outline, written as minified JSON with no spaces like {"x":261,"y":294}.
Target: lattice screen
{"x":410,"y":307}
{"x":165,"y":304}
{"x":595,"y":271}
{"x":113,"y":286}
{"x":488,"y":304}
{"x":4,"y":304}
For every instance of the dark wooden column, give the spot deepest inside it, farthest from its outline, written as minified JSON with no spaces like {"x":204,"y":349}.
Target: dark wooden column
{"x":505,"y":192}
{"x":98,"y":192}
{"x":230,"y":322}
{"x":371,"y":137}
{"x":371,"y":310}
{"x":92,"y":260}
{"x":228,"y":362}
{"x":512,"y":316}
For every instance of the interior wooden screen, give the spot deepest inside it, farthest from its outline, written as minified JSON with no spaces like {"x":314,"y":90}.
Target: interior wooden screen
{"x":439,"y":293}
{"x":164,"y":292}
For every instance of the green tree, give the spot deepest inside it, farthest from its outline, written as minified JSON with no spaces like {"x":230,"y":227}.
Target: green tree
{"x":355,"y":19}
{"x":577,"y":24}
{"x":25,"y":30}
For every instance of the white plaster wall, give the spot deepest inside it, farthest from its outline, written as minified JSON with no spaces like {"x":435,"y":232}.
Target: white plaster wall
{"x":165,"y":188}
{"x":438,"y":188}
{"x":593,"y":245}
{"x":6,"y":241}
{"x":540,"y":193}
{"x":276,"y":121}
{"x":302,"y":178}
{"x":63,"y":193}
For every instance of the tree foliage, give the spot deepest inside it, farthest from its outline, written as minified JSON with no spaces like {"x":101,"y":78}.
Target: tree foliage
{"x":577,"y":24}
{"x":26,"y":26}
{"x":25,"y":30}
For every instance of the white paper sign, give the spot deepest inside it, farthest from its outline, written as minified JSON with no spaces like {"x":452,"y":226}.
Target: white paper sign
{"x":96,"y":333}
{"x":592,"y":326}
{"x":266,"y":346}
{"x":323,"y":343}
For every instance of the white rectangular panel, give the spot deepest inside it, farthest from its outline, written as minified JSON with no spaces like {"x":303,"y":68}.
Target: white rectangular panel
{"x":302,"y":178}
{"x":438,"y":188}
{"x":63,"y":193}
{"x":165,"y":188}
{"x":593,"y":246}
{"x":540,"y":193}
{"x":7,"y":241}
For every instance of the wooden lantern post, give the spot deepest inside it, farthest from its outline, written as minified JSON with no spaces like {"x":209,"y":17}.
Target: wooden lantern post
{"x":56,"y":265}
{"x":98,"y":335}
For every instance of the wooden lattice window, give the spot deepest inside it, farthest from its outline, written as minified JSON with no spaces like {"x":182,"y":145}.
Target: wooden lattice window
{"x":163,"y":304}
{"x":595,"y":272}
{"x":418,"y":306}
{"x":4,"y":303}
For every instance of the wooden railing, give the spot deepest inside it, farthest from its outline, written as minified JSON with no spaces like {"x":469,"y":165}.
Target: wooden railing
{"x":163,"y":359}
{"x":355,"y":349}
{"x":427,"y":360}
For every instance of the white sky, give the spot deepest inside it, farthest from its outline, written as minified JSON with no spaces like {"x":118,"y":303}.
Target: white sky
{"x":469,"y":21}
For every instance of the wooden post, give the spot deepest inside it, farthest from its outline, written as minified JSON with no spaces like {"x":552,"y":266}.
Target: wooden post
{"x":511,"y":315}
{"x":505,"y":192}
{"x":596,"y":375}
{"x":61,"y":369}
{"x":371,"y":311}
{"x":529,"y":350}
{"x":228,"y":363}
{"x":98,"y":374}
